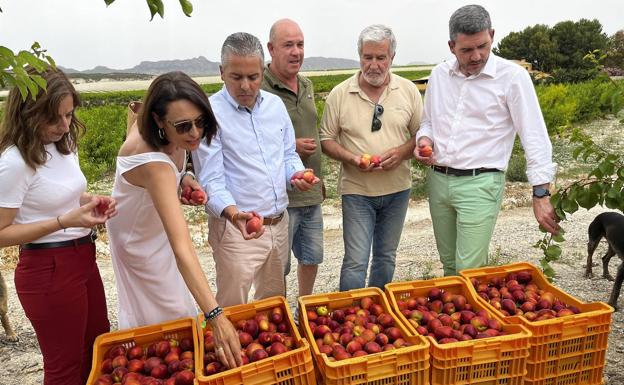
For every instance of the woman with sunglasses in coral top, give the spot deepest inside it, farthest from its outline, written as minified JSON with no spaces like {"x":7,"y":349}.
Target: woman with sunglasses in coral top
{"x":158,"y":274}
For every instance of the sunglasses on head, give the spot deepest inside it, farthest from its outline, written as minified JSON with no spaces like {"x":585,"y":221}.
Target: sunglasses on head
{"x":376,"y":124}
{"x":184,"y":126}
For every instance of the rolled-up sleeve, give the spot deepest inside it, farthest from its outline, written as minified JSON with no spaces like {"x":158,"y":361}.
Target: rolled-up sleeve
{"x":292,"y":161}
{"x":211,"y":175}
{"x":529,"y":124}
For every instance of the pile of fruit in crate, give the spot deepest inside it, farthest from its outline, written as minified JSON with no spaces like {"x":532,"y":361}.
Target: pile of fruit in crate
{"x":517,"y":295}
{"x":264,"y":335}
{"x":354,"y":331}
{"x":165,"y":362}
{"x":448,"y":317}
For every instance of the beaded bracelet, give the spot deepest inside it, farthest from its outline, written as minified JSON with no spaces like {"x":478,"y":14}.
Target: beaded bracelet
{"x":211,"y":315}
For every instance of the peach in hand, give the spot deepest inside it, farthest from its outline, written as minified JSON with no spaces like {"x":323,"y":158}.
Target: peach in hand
{"x":425,"y":151}
{"x":365,"y":161}
{"x":376,"y":160}
{"x":253,"y":225}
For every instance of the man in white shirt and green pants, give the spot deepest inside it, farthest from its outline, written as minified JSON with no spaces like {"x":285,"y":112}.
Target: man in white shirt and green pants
{"x":474,"y":107}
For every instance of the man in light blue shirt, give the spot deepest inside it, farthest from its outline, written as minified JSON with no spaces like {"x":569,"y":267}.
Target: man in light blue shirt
{"x":246,"y":171}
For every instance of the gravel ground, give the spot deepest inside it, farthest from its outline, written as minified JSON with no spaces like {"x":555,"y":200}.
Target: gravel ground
{"x":417,"y":259}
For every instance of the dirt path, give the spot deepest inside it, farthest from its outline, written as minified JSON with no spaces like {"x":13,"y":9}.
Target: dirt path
{"x":417,"y":259}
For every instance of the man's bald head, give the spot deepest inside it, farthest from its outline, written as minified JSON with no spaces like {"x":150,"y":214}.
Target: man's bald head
{"x":286,"y":48}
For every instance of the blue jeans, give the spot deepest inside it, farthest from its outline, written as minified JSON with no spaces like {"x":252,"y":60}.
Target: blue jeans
{"x":371,"y":221}
{"x":305,"y":232}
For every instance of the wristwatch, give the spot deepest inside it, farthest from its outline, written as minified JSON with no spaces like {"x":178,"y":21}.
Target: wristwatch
{"x":540,"y":192}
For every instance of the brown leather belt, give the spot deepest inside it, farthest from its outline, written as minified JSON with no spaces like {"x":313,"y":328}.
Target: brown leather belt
{"x":270,"y":221}
{"x":52,"y":245}
{"x":458,"y":172}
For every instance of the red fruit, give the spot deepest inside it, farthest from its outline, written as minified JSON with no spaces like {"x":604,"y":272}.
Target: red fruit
{"x":251,"y":327}
{"x":258,"y":354}
{"x":135,"y":352}
{"x":460,"y":302}
{"x":385,"y":320}
{"x":198,"y":196}
{"x":321,"y":330}
{"x":509,"y":305}
{"x":102,"y":207}
{"x":297,"y":175}
{"x":162,"y":348}
{"x":150,"y":364}
{"x":436,"y":306}
{"x":340,"y":355}
{"x":372,"y":347}
{"x":252,"y":347}
{"x":447,"y":340}
{"x":188,"y":364}
{"x":495,"y":324}
{"x":186,"y":344}
{"x":276,"y":315}
{"x":245,"y":338}
{"x":480,"y":324}
{"x":326,"y":349}
{"x":393,"y":333}
{"x":376,"y":309}
{"x":253,"y":225}
{"x":276,"y":348}
{"x":360,"y":353}
{"x":107,"y":366}
{"x":365,"y":161}
{"x":425,"y":151}
{"x":309,"y":176}
{"x":119,"y":361}
{"x":353,"y":346}
{"x":434,"y":293}
{"x":161,"y":371}
{"x":104,"y":380}
{"x":118,"y":374}
{"x":366,"y":302}
{"x":187,"y":355}
{"x":186,"y":193}
{"x":422,"y":330}
{"x":115,"y":351}
{"x":382,"y":339}
{"x":264,"y":338}
{"x":443,"y":332}
{"x":185,"y":377}
{"x":209,"y":344}
{"x":376,"y":160}
{"x":136,"y":365}
{"x":212,"y":368}
{"x":524,"y":277}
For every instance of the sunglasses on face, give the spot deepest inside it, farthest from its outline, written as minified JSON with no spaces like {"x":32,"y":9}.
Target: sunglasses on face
{"x":376,"y":124}
{"x":184,"y":126}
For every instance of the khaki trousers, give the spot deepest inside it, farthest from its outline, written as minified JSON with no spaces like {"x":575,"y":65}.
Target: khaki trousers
{"x":242,"y":263}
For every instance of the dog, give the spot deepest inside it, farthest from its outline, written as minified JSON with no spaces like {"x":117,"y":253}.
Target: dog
{"x":4,"y":308}
{"x":609,"y":225}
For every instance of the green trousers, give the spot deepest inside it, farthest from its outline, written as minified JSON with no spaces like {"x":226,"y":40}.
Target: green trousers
{"x":464,"y":211}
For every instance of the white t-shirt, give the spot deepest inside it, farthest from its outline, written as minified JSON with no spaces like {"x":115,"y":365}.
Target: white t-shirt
{"x":45,"y":193}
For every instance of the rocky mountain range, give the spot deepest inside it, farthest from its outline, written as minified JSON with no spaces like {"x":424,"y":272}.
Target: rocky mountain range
{"x":200,"y":66}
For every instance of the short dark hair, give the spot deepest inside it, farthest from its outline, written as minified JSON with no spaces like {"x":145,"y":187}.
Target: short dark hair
{"x":468,"y":20}
{"x":168,"y":88}
{"x":24,"y":118}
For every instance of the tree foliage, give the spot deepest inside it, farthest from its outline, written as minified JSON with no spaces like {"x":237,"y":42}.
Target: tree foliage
{"x":558,"y":50}
{"x":157,"y":7}
{"x":615,"y":52}
{"x":603,"y":185}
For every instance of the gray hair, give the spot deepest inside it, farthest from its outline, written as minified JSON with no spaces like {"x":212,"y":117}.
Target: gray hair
{"x":468,"y":20}
{"x":377,"y":33}
{"x":241,"y":44}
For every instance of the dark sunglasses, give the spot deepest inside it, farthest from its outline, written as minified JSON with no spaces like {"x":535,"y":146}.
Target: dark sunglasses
{"x":184,"y":126}
{"x":376,"y":125}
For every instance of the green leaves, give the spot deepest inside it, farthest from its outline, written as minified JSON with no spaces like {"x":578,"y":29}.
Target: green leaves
{"x":13,"y":69}
{"x":187,"y":7}
{"x":157,"y":7}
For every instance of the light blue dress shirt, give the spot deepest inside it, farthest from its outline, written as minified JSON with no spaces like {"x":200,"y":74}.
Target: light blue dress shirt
{"x":252,"y":157}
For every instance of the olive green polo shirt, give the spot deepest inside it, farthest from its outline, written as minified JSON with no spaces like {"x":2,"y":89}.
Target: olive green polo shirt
{"x":302,"y":112}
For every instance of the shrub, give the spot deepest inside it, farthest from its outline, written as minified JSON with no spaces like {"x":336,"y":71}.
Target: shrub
{"x":106,"y":130}
{"x":516,"y":169}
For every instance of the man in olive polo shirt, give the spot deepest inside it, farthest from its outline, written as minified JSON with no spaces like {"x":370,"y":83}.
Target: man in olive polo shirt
{"x":378,"y":113}
{"x":281,"y":77}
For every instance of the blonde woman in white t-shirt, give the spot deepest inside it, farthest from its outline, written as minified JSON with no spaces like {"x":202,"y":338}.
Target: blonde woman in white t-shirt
{"x":45,"y":209}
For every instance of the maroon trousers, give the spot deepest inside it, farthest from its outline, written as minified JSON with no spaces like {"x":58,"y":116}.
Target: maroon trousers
{"x":62,"y":295}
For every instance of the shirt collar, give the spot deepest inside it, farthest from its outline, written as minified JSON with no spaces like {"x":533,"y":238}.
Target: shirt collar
{"x":488,"y":70}
{"x":236,"y":105}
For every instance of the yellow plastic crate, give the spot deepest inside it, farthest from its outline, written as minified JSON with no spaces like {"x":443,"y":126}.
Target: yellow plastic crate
{"x":294,"y":367}
{"x":568,"y":350}
{"x":404,"y":366}
{"x":141,"y":336}
{"x":495,"y":360}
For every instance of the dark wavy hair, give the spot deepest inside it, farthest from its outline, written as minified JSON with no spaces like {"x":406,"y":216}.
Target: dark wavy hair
{"x":24,"y":119}
{"x":168,"y":88}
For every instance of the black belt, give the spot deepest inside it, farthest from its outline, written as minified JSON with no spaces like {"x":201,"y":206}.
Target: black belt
{"x":52,"y":245}
{"x":458,"y":172}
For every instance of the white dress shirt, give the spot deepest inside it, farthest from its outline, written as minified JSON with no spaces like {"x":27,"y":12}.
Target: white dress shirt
{"x":252,"y":157}
{"x":473,"y":120}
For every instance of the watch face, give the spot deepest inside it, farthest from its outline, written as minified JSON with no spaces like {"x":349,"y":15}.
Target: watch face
{"x":540,"y":192}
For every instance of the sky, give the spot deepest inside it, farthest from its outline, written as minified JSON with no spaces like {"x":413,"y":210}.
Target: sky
{"x":82,"y":34}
